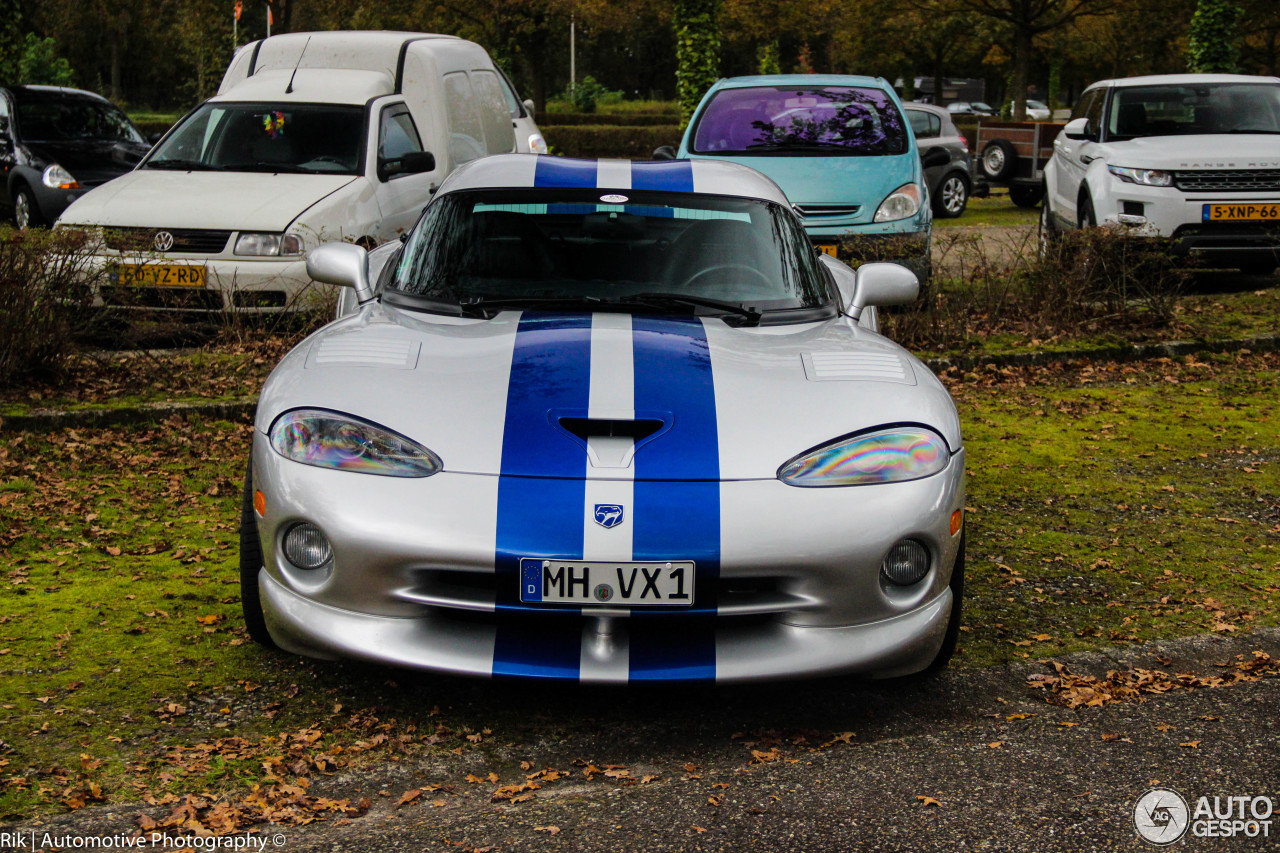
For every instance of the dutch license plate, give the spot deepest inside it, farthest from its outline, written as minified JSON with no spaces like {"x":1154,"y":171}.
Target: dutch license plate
{"x":603,"y":583}
{"x":160,"y":275}
{"x":1241,"y":212}
{"x":828,"y":249}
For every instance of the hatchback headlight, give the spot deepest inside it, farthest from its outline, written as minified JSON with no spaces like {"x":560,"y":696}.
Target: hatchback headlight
{"x":901,"y":203}
{"x":333,"y":440}
{"x":57,"y":178}
{"x":1146,"y":177}
{"x":268,"y":245}
{"x":892,"y":455}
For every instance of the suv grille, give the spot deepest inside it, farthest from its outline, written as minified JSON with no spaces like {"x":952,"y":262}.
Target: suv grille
{"x":184,"y":239}
{"x":1234,"y":180}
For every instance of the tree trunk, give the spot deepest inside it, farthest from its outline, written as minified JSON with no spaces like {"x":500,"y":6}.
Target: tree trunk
{"x":116,"y":94}
{"x":1021,"y":67}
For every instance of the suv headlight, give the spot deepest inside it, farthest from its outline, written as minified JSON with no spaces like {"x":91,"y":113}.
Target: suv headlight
{"x":1146,"y":177}
{"x":901,"y":203}
{"x":333,"y":440}
{"x":268,"y":245}
{"x":891,"y":455}
{"x":57,"y":178}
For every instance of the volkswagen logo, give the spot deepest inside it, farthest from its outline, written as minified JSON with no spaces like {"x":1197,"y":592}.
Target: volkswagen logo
{"x":163,"y":241}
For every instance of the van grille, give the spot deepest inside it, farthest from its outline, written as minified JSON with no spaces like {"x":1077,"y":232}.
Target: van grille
{"x":194,"y":240}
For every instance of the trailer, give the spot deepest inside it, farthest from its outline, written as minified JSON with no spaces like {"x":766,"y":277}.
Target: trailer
{"x":1014,"y":154}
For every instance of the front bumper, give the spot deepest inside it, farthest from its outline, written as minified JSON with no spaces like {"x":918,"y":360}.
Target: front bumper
{"x":243,"y":285}
{"x":798,"y":592}
{"x":1179,"y":216}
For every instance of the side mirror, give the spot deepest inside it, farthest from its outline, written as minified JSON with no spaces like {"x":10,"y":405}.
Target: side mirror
{"x":1077,"y":128}
{"x":153,"y":138}
{"x":664,"y":152}
{"x":934,"y":157}
{"x":343,"y":264}
{"x":528,"y":105}
{"x":880,"y":284}
{"x":413,"y":163}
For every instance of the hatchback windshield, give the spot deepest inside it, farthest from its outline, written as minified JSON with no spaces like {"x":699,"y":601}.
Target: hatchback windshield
{"x":692,"y":253}
{"x":71,"y":120}
{"x":801,"y":120}
{"x":1169,"y":110}
{"x":263,"y":137}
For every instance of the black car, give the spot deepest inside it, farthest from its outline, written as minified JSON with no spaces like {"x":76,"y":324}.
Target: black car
{"x":56,"y":144}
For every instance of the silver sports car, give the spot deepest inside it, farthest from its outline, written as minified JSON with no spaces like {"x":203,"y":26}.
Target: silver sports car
{"x":606,"y":421}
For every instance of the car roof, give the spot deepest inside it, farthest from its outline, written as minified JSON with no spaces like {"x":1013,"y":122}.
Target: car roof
{"x":805,"y":79}
{"x":310,"y":85}
{"x":52,"y":93}
{"x":702,"y":177}
{"x":928,"y":108}
{"x":1183,"y":79}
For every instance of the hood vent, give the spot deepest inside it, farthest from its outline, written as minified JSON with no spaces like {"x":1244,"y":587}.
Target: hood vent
{"x":586,"y":428}
{"x":338,"y":351}
{"x":857,"y":366}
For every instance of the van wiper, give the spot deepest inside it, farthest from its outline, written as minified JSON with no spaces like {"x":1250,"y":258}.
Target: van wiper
{"x":1252,"y":130}
{"x":667,"y":300}
{"x":182,"y":165}
{"x":267,"y":167}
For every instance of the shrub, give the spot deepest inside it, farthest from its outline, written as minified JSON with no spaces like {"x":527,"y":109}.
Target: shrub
{"x":610,"y":141}
{"x":45,"y":281}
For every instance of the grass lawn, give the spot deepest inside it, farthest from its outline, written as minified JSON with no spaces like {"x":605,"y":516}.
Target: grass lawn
{"x":1107,"y":505}
{"x":994,"y":210}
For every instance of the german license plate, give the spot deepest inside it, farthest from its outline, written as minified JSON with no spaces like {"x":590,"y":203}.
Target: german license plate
{"x":159,"y":275}
{"x":595,"y":582}
{"x":828,"y":249}
{"x":1241,"y":212}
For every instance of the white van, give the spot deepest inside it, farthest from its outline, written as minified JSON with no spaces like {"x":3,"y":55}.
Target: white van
{"x":312,"y":137}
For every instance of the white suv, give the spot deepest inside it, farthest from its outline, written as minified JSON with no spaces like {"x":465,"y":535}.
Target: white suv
{"x":1191,"y":157}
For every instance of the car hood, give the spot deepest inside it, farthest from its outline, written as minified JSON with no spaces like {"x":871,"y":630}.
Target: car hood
{"x":234,"y":201}
{"x":506,"y":395}
{"x":85,"y":157}
{"x":864,"y":181}
{"x":1202,"y":151}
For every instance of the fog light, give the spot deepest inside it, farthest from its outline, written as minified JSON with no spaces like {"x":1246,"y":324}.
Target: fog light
{"x":306,"y":547}
{"x":907,"y":563}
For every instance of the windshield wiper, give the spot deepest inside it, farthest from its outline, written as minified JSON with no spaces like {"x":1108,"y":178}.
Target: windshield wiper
{"x":266,"y":167}
{"x":183,"y":165}
{"x":667,"y":300}
{"x":1252,"y":130}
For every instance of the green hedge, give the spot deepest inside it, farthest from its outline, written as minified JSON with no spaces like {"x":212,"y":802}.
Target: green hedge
{"x":635,"y":143}
{"x":619,"y":119}
{"x":150,"y":127}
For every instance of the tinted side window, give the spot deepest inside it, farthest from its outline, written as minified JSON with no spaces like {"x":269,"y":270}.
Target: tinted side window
{"x":397,"y":136}
{"x":924,"y":125}
{"x":1094,"y":112}
{"x":466,"y":134}
{"x":1082,"y":105}
{"x":495,"y":115}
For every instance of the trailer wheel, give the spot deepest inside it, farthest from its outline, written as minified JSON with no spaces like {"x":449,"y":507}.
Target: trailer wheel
{"x":999,"y":160}
{"x":1026,"y":196}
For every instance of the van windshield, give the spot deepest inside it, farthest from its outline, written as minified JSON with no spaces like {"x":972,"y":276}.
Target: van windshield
{"x":1193,"y":108}
{"x":264,"y":137}
{"x":784,"y":120}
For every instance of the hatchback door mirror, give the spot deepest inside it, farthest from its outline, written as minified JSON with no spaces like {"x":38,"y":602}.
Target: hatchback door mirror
{"x":934,"y":157}
{"x":882,"y":284}
{"x":343,"y":264}
{"x":1077,"y":128}
{"x":412,"y":163}
{"x":664,"y":152}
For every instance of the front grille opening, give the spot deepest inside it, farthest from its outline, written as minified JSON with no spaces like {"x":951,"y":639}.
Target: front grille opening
{"x":585,"y":428}
{"x":162,"y":297}
{"x":194,"y":240}
{"x":259,"y":299}
{"x":1133,"y":208}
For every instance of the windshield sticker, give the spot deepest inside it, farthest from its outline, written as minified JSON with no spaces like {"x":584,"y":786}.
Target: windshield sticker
{"x":613,"y":198}
{"x":273,"y":124}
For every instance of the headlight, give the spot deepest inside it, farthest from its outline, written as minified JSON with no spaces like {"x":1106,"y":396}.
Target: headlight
{"x":891,"y":455}
{"x":332,"y":440}
{"x":57,"y":178}
{"x":1146,"y":177}
{"x":901,"y":203}
{"x":537,"y":144}
{"x":268,"y":245}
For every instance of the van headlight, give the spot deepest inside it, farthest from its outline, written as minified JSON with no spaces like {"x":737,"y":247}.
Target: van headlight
{"x":537,"y":145}
{"x":901,"y":203}
{"x":327,"y":439}
{"x":890,"y":455}
{"x":268,"y":245}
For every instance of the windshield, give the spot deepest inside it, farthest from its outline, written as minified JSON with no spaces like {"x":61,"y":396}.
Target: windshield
{"x":523,"y":247}
{"x":1170,"y":110}
{"x":74,"y":120}
{"x":798,"y":120}
{"x":264,"y":137}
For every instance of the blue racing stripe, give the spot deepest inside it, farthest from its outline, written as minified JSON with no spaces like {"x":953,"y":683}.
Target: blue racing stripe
{"x":676,"y":512}
{"x":559,"y":172}
{"x":673,"y":175}
{"x":541,"y":490}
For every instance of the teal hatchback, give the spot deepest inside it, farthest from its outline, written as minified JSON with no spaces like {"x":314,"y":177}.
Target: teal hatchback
{"x":839,"y":146}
